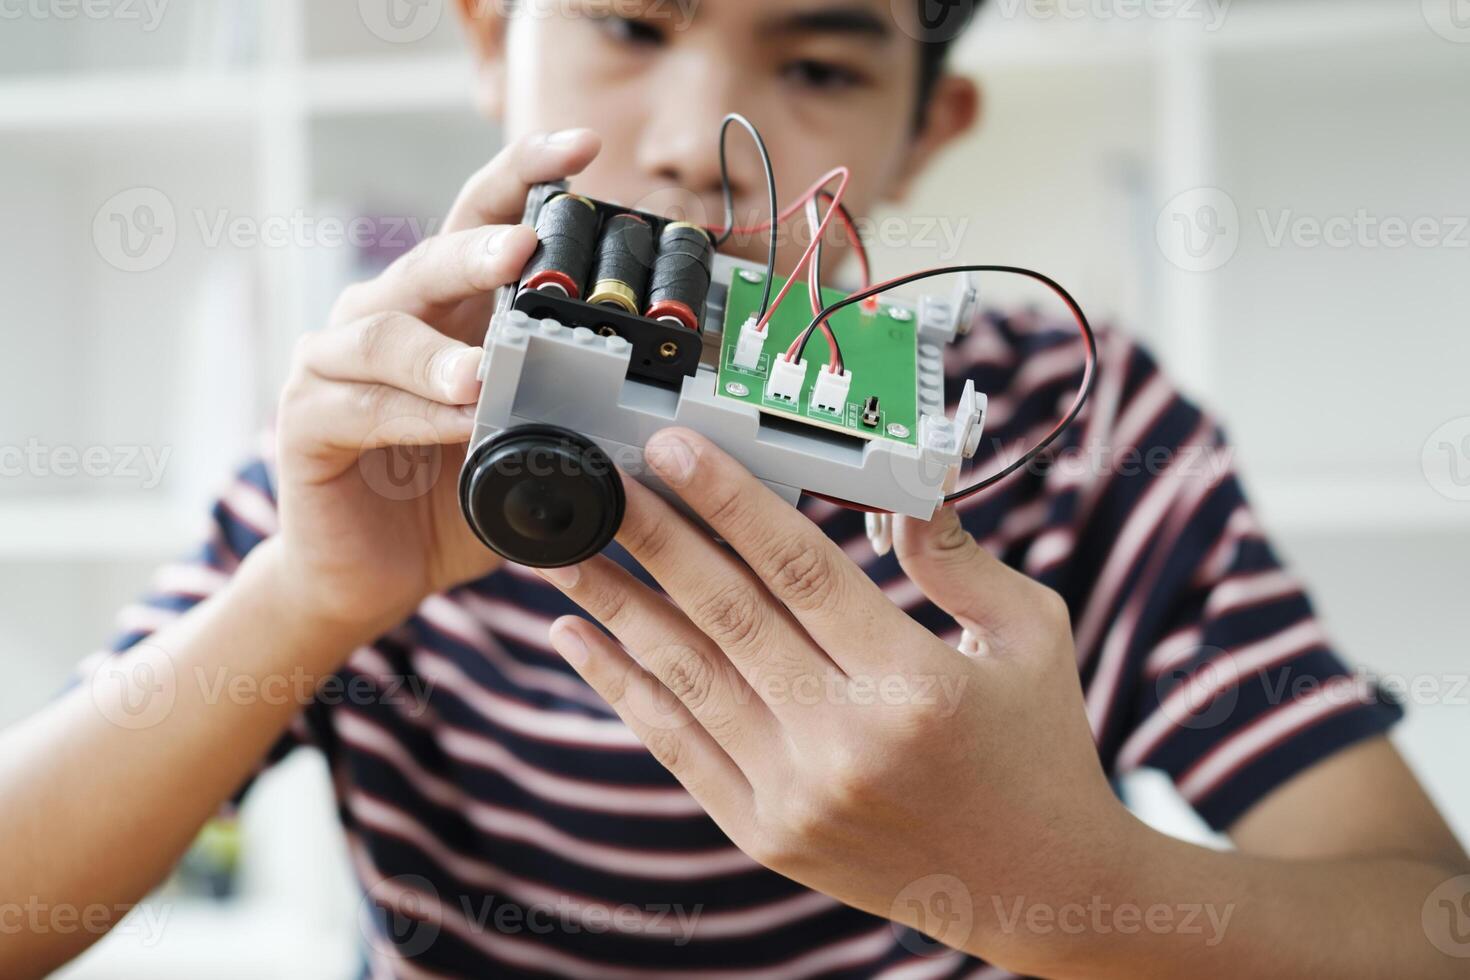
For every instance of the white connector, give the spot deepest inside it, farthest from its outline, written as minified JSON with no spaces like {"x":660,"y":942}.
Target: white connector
{"x":786,"y":380}
{"x":969,"y":419}
{"x":829,"y":394}
{"x":748,"y":345}
{"x":966,"y":303}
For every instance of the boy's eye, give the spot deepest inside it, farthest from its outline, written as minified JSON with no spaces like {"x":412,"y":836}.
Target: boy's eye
{"x":626,"y":31}
{"x":821,"y":75}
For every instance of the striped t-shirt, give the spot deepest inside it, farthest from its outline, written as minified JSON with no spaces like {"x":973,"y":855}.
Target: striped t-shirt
{"x":492,"y":797}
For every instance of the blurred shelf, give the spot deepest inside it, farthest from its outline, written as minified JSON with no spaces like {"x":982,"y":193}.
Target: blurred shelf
{"x":1318,"y":24}
{"x":91,"y":529}
{"x":111,"y":101}
{"x":336,"y":30}
{"x":1064,"y":43}
{"x":371,"y":85}
{"x":126,"y":99}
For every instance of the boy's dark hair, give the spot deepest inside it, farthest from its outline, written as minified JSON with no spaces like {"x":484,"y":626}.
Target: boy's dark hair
{"x":940,"y":23}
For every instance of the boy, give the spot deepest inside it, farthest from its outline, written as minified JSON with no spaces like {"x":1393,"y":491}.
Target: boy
{"x":795,"y":752}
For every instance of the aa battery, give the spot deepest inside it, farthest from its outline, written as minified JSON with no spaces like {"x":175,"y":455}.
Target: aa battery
{"x":624,"y":260}
{"x":567,"y":229}
{"x":681,"y":275}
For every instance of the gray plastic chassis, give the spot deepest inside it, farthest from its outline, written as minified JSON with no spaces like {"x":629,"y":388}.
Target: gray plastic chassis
{"x":540,"y":371}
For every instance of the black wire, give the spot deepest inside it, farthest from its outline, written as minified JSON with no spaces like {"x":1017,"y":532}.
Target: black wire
{"x":806,"y":335}
{"x":729,"y":194}
{"x":862,"y":250}
{"x":816,"y":272}
{"x":1088,"y":380}
{"x":817,"y":252}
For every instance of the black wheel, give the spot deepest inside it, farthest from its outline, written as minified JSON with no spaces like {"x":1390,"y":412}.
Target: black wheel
{"x":541,"y":495}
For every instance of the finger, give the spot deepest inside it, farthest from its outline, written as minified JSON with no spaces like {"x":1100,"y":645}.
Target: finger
{"x":354,"y":416}
{"x":801,"y":566}
{"x":725,"y":600}
{"x":441,"y":272}
{"x":669,"y":646}
{"x":397,"y":350}
{"x":984,"y":595}
{"x":496,"y":195}
{"x":679,"y":744}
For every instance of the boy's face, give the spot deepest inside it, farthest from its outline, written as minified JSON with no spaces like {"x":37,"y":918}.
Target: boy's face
{"x":827,"y":82}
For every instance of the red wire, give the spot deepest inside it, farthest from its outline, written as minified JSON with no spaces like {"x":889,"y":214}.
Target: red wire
{"x":815,"y":288}
{"x":818,"y":187}
{"x":814,"y":293}
{"x":856,"y":241}
{"x":847,"y":504}
{"x":790,"y":209}
{"x":806,"y":257}
{"x":1089,"y":369}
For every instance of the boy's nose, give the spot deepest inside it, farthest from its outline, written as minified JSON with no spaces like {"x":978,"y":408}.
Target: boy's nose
{"x":679,"y":145}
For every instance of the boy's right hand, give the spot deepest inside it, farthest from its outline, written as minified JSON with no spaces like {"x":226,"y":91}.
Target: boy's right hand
{"x":374,"y":418}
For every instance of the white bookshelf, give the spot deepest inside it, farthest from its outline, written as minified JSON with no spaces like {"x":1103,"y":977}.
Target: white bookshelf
{"x":315,"y":101}
{"x":1331,"y":368}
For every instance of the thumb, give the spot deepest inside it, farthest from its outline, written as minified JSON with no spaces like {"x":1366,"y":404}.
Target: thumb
{"x":957,"y":575}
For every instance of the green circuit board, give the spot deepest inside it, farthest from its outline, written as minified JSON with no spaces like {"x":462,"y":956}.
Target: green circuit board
{"x":880,"y":349}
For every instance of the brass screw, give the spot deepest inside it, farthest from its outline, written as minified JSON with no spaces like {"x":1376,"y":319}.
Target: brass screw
{"x":668,"y":350}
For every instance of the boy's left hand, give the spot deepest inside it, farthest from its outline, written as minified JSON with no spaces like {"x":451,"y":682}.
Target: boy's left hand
{"x":830,"y":736}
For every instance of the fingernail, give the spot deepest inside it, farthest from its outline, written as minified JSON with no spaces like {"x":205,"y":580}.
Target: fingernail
{"x":563,"y":137}
{"x":459,"y":372}
{"x":565,"y":641}
{"x":671,"y":457}
{"x":562,"y":578}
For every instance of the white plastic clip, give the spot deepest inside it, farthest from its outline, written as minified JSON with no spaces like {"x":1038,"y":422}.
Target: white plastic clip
{"x":786,"y":379}
{"x":748,"y":345}
{"x":829,"y":394}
